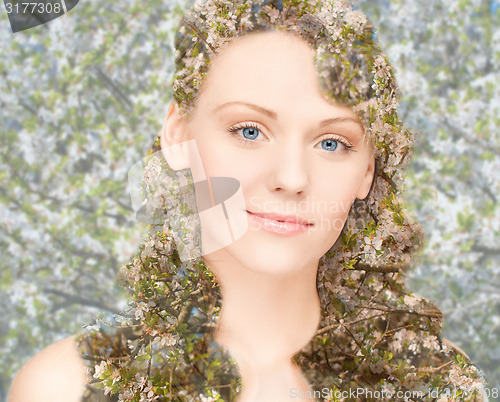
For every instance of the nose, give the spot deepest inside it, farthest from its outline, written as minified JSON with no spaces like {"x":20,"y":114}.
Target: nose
{"x":289,"y":169}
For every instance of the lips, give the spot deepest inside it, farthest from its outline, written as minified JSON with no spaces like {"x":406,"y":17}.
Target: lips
{"x":280,"y":224}
{"x":282,"y":218}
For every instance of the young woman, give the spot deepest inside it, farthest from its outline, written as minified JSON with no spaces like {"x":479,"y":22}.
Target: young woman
{"x":296,"y":104}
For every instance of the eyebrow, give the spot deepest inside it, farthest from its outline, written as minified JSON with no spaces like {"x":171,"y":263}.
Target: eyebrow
{"x":258,"y":108}
{"x":336,"y":120}
{"x":274,"y":115}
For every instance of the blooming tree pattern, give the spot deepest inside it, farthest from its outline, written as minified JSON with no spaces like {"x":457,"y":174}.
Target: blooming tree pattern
{"x":82,"y":98}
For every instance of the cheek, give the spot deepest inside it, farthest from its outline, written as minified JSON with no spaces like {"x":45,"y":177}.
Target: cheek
{"x":336,"y":196}
{"x":223,"y":167}
{"x":225,"y":162}
{"x":341,"y":186}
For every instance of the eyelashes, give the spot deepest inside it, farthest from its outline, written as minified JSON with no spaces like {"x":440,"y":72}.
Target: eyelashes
{"x":249,"y":132}
{"x":246,"y":132}
{"x":331,"y":142}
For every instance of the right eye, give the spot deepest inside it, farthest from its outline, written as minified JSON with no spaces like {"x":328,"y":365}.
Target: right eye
{"x":246,"y":131}
{"x":250,"y":133}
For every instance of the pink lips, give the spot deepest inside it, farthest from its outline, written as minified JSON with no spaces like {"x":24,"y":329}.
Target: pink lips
{"x":280,"y":224}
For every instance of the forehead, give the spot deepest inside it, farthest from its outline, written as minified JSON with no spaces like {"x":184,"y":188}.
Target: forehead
{"x":260,"y":59}
{"x":274,"y":69}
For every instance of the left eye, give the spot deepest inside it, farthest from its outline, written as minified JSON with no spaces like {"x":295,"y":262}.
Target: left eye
{"x":335,"y":145}
{"x":250,"y":133}
{"x":329,"y":144}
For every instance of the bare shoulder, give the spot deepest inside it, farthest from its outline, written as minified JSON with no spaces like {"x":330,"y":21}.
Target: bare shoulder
{"x":55,"y":374}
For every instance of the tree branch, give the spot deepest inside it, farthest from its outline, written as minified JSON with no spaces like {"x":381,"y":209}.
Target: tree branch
{"x":359,"y":266}
{"x":72,"y":299}
{"x":115,"y":91}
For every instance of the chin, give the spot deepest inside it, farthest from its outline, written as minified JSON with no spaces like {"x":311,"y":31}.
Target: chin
{"x":278,"y":266}
{"x":266,"y":254}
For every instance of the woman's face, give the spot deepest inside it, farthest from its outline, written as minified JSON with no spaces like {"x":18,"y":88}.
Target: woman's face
{"x":301,"y":160}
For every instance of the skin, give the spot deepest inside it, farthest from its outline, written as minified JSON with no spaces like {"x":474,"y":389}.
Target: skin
{"x":56,"y":374}
{"x":267,"y":83}
{"x":268,"y":280}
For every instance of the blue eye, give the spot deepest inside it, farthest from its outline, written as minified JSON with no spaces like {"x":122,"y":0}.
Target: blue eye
{"x":250,"y":133}
{"x":329,"y":144}
{"x":247,"y":132}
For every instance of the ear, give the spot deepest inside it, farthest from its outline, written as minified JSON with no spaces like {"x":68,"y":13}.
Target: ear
{"x":172,"y":137}
{"x":367,"y":182}
{"x":179,"y":151}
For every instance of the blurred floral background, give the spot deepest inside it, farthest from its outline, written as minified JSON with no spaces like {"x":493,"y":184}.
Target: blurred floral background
{"x":82,"y":98}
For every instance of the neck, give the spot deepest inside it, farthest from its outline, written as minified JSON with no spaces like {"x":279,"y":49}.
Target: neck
{"x":266,"y":319}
